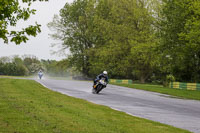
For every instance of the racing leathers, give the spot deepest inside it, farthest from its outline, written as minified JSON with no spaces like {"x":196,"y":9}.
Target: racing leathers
{"x":99,"y":77}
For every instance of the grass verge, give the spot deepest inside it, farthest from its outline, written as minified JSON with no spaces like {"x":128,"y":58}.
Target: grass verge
{"x":184,"y":94}
{"x":26,"y":106}
{"x":36,"y":76}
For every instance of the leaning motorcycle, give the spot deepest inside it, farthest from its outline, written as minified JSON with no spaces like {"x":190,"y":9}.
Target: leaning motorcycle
{"x":101,"y":84}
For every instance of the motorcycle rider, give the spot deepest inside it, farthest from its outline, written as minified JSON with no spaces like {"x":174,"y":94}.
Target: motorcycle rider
{"x":100,"y":76}
{"x":40,"y":74}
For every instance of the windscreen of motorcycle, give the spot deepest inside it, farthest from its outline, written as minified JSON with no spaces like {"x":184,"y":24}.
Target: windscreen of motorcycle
{"x":102,"y":81}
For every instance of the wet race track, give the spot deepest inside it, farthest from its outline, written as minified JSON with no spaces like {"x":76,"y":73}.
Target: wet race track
{"x":180,"y":113}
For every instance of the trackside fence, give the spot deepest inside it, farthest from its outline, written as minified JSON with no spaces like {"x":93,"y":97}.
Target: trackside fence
{"x":120,"y":81}
{"x":185,"y":86}
{"x":176,"y":85}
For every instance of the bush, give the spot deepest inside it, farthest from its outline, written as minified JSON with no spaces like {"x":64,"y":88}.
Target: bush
{"x":21,"y":70}
{"x":169,"y":78}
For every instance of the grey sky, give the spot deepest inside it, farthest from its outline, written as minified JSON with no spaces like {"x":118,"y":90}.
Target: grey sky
{"x":39,"y":45}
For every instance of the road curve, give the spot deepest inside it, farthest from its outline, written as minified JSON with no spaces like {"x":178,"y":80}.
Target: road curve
{"x":180,"y":113}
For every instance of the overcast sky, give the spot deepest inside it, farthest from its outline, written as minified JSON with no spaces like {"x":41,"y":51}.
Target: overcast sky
{"x":40,"y":45}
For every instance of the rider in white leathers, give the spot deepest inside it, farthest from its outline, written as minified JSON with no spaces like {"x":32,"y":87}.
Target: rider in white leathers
{"x":40,"y":74}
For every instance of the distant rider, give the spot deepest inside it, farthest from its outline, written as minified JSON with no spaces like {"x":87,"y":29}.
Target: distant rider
{"x":100,"y":76}
{"x":40,"y":74}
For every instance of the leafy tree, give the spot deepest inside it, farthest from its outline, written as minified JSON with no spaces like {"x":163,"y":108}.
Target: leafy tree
{"x":17,"y":60}
{"x":73,"y":30}
{"x":12,"y":69}
{"x":32,"y":64}
{"x":1,"y":68}
{"x":13,"y":66}
{"x":127,"y":28}
{"x":5,"y":59}
{"x":106,"y":35}
{"x":10,"y":13}
{"x":20,"y":67}
{"x":180,"y":38}
{"x":29,"y":64}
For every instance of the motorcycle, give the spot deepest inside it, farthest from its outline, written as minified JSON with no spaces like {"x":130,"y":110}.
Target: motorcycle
{"x":40,"y":75}
{"x":101,"y":84}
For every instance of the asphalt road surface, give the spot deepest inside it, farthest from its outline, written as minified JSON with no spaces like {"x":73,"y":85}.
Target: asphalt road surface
{"x":180,"y":113}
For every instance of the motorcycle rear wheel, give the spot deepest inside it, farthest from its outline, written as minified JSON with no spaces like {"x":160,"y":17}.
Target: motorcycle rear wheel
{"x":99,"y":88}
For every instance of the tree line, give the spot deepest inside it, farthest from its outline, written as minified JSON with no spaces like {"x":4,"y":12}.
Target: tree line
{"x":145,"y":40}
{"x":30,"y":65}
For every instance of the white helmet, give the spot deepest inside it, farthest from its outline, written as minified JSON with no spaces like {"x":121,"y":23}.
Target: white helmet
{"x":105,"y":72}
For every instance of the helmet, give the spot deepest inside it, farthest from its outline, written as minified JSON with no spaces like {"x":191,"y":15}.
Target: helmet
{"x":105,"y":72}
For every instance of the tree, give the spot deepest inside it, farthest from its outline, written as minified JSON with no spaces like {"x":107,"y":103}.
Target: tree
{"x":17,"y":60}
{"x":73,"y":29}
{"x":32,"y":63}
{"x":10,"y":13}
{"x":106,"y":34}
{"x":128,"y":30}
{"x":180,"y":38}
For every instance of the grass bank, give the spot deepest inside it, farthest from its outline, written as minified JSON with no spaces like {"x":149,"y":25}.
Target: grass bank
{"x":36,"y":77}
{"x":185,"y":94}
{"x":26,"y":106}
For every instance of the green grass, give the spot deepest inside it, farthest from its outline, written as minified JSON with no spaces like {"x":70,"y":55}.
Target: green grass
{"x":184,"y":94}
{"x":28,"y":107}
{"x":36,"y":76}
{"x":6,"y":76}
